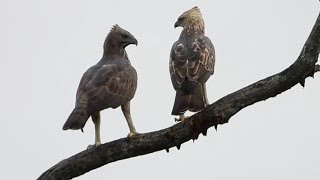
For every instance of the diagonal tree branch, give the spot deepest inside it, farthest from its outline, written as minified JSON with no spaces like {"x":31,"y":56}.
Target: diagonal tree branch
{"x":217,"y":113}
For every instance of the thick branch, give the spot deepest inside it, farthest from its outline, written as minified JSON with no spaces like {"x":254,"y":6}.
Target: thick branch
{"x":217,"y":113}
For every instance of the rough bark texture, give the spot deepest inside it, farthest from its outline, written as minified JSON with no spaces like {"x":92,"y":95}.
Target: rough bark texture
{"x":217,"y":113}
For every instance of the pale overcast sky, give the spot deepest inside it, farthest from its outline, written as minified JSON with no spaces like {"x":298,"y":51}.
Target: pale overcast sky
{"x":46,"y":46}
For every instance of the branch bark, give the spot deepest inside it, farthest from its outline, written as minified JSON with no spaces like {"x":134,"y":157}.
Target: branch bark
{"x":217,"y":113}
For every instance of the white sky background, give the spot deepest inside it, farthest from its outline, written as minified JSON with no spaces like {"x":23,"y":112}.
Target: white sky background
{"x":47,"y":46}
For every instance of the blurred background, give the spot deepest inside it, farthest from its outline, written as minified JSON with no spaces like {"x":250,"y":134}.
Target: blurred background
{"x":46,"y":46}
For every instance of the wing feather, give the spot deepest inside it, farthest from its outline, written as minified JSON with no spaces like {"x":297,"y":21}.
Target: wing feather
{"x":191,"y":61}
{"x":111,"y":85}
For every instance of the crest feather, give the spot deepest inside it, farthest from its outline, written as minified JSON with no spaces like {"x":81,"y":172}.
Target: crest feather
{"x":115,"y":27}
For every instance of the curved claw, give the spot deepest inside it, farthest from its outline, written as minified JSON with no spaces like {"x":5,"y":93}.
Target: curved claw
{"x":93,"y":145}
{"x":132,"y":134}
{"x":181,"y":118}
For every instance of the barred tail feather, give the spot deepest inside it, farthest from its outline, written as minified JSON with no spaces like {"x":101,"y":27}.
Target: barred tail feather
{"x":196,"y":101}
{"x":181,"y":103}
{"x":199,"y":99}
{"x":77,"y":119}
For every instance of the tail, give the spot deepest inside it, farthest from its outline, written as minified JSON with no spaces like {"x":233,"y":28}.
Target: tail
{"x":195,"y":101}
{"x":77,"y":119}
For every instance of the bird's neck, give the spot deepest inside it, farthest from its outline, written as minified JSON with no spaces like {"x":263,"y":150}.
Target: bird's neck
{"x":193,"y":30}
{"x":115,"y":53}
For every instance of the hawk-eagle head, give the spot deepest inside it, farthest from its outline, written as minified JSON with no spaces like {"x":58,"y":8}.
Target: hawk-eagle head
{"x":191,"y":17}
{"x":119,"y":37}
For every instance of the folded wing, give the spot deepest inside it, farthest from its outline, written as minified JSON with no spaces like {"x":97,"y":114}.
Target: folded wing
{"x":191,"y":63}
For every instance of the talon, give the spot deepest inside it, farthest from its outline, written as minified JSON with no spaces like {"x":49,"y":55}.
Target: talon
{"x":94,"y":145}
{"x":131,"y":134}
{"x":181,"y":118}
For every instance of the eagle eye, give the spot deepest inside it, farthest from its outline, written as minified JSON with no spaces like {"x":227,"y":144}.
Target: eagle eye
{"x":124,"y":36}
{"x":181,"y":19}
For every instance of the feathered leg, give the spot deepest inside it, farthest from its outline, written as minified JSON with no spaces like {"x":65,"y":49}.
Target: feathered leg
{"x":126,"y":112}
{"x":96,"y":121}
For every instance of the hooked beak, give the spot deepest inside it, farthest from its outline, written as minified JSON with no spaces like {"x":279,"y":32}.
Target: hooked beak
{"x":132,"y":40}
{"x":135,"y":42}
{"x":177,"y":24}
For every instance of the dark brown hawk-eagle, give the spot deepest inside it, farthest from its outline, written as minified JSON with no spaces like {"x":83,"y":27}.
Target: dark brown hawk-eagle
{"x":192,"y":60}
{"x":111,"y":83}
